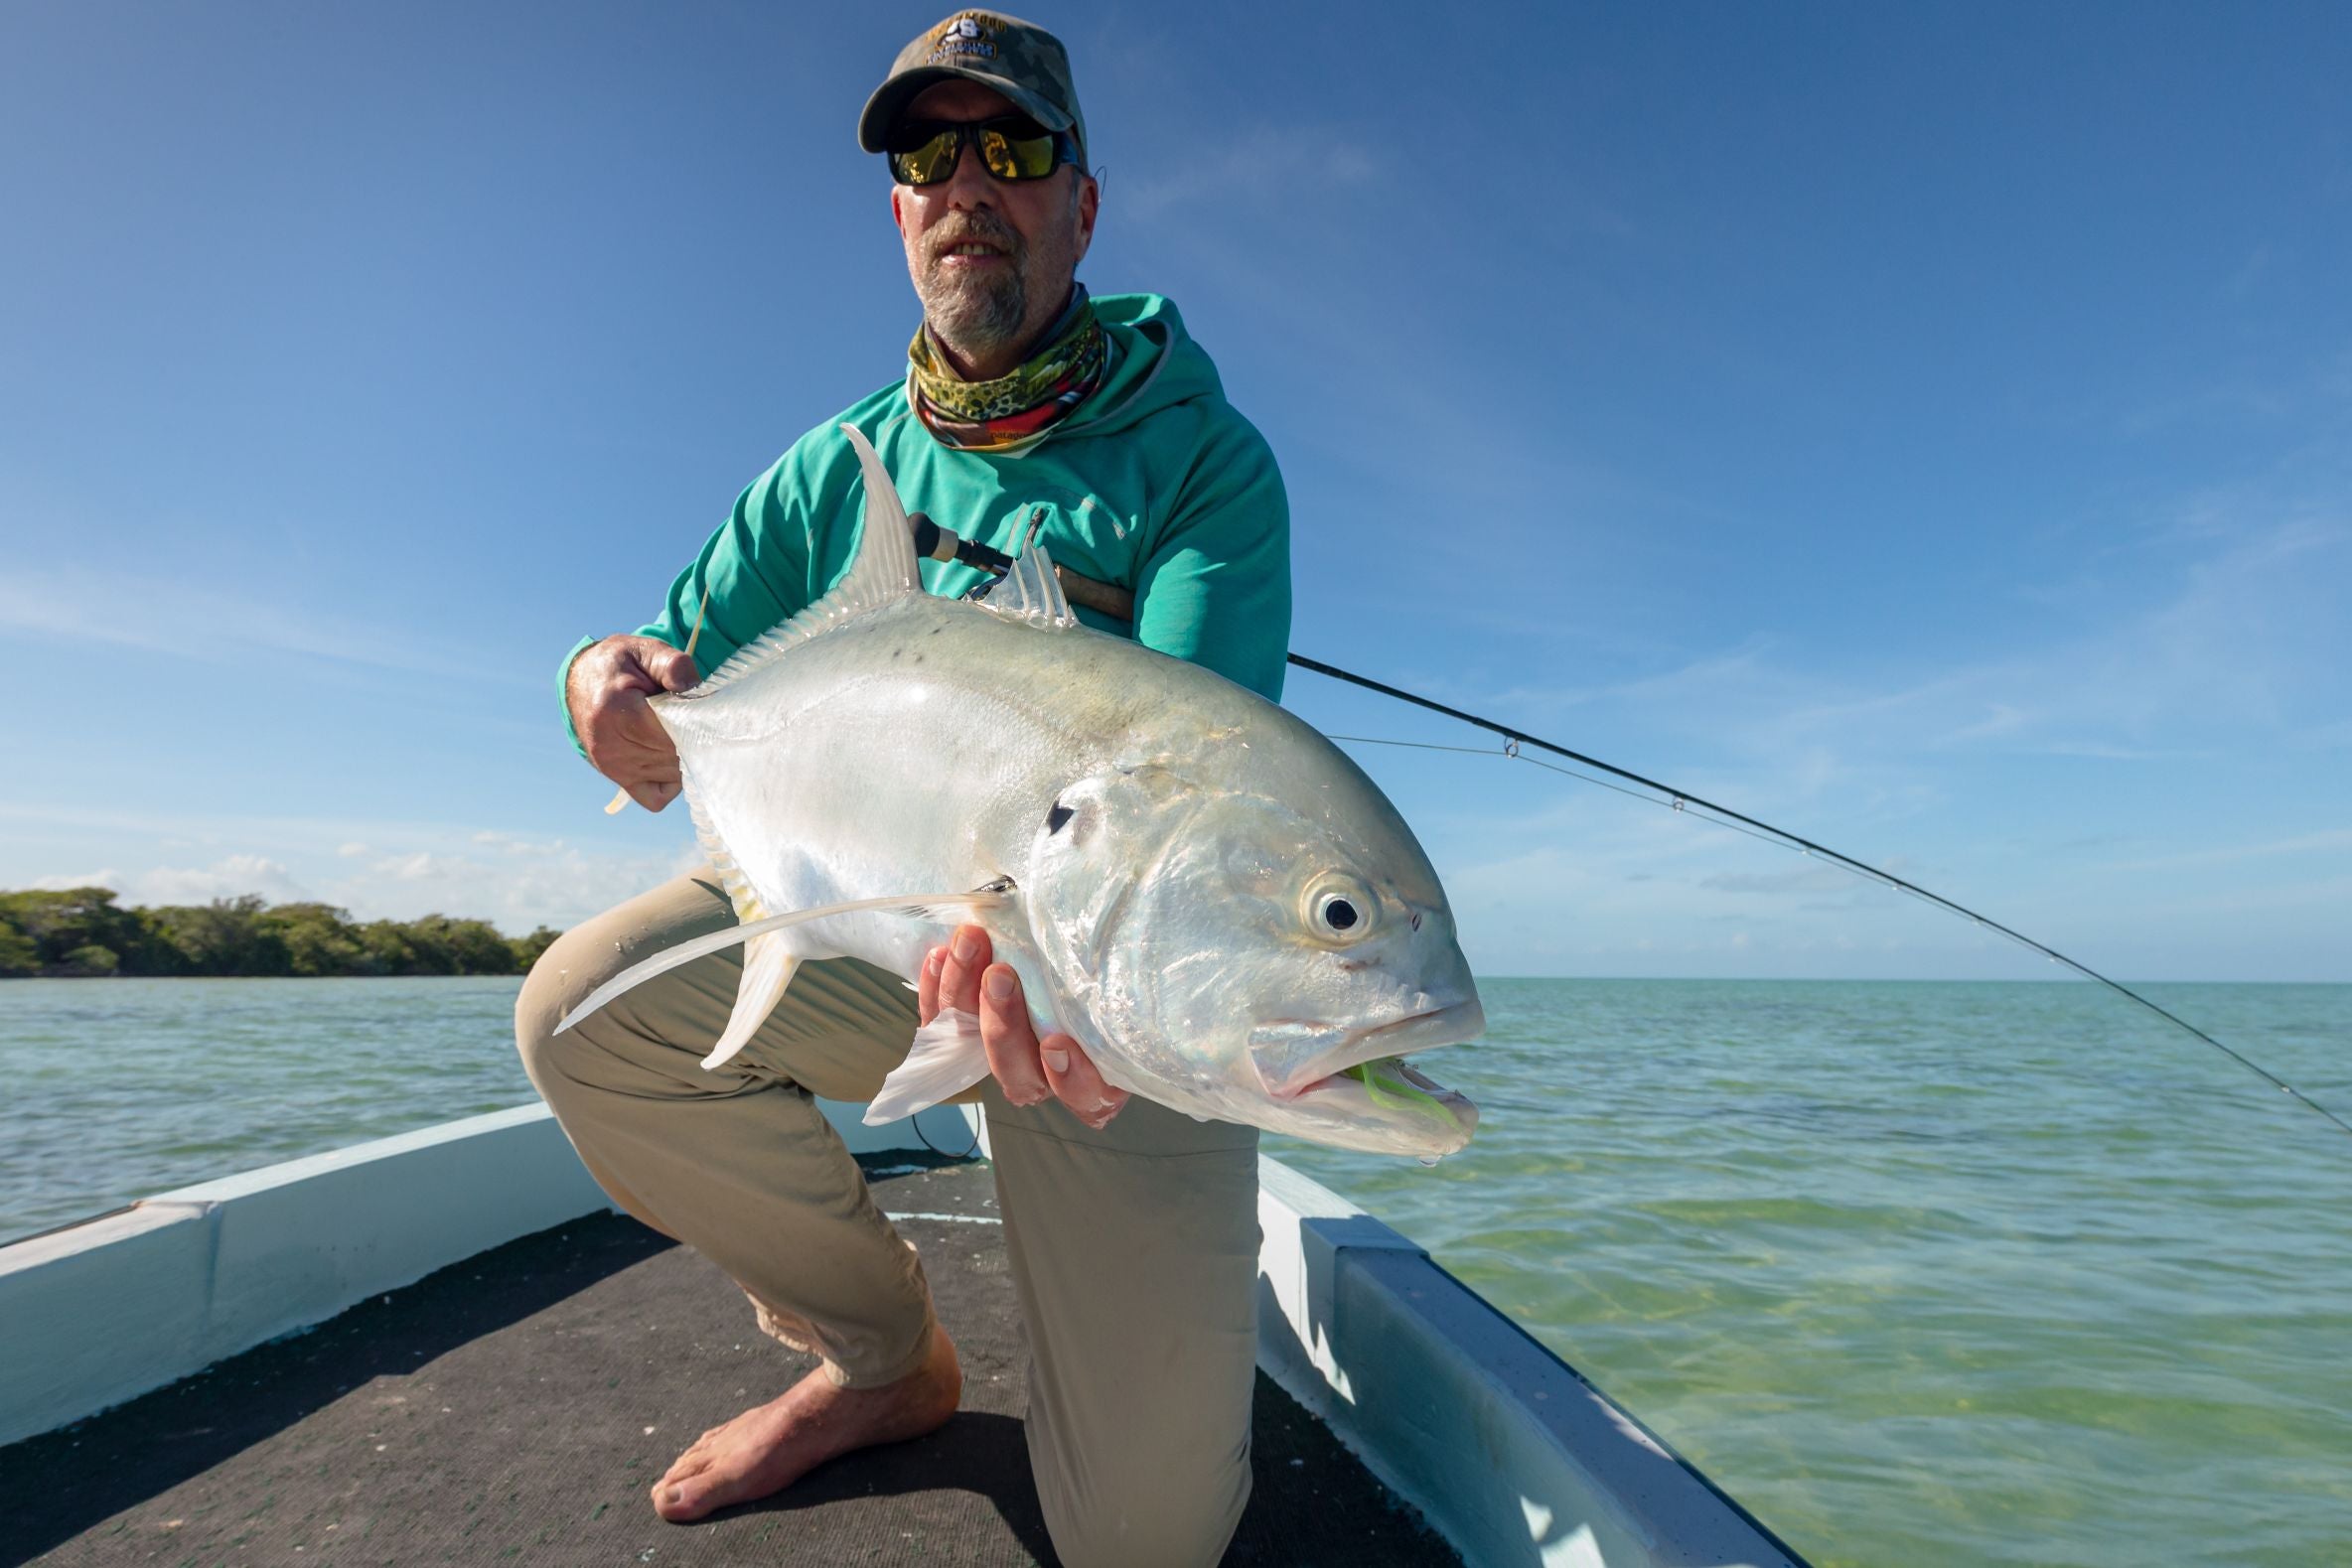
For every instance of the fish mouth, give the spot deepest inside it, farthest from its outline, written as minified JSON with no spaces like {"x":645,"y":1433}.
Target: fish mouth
{"x":1386,"y":1106}
{"x":1451,"y":1025}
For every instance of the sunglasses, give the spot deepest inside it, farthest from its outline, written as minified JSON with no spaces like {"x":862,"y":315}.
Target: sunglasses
{"x":1012,"y":146}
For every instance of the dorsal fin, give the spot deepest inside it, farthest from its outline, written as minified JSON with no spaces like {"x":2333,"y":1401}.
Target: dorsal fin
{"x":885,"y":566}
{"x":1030,"y":592}
{"x":883,"y":570}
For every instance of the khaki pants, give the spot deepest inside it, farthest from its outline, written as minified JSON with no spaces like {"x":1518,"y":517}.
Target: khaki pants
{"x":1134,"y":1249}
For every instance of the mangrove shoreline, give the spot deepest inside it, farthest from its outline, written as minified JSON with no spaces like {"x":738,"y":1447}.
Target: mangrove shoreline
{"x":83,"y":932}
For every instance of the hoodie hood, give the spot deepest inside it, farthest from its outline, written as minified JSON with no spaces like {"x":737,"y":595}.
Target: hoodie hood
{"x":1156,"y":366}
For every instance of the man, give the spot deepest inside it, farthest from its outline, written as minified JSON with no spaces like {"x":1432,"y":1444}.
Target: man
{"x":1097,"y":428}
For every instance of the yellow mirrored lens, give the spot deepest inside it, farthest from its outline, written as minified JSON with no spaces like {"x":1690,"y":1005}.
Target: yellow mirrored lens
{"x":1017,"y":158}
{"x":934,"y":159}
{"x":1002,"y":154}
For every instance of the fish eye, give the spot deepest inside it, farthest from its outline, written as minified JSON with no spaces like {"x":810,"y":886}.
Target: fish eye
{"x":1339,"y":907}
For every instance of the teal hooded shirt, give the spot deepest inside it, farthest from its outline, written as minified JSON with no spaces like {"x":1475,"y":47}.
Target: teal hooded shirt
{"x":1153,"y":483}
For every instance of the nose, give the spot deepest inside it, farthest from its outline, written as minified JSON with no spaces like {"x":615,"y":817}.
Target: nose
{"x":970,"y":186}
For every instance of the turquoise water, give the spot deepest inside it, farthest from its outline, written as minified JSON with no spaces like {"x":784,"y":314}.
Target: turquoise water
{"x":118,"y":1088}
{"x":1921,"y":1273}
{"x":1929,"y":1273}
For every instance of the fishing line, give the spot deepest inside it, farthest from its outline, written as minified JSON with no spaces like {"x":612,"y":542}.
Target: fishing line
{"x":1684,"y":801}
{"x":916,"y":1122}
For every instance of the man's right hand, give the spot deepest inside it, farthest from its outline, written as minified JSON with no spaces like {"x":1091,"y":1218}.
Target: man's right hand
{"x":606,"y":692}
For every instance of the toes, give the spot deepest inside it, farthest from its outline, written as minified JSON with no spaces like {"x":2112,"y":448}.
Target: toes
{"x":686,"y":1491}
{"x":690,"y":1463}
{"x":704,"y":1491}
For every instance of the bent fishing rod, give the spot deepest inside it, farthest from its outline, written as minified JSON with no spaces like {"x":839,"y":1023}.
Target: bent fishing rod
{"x":1110,"y":599}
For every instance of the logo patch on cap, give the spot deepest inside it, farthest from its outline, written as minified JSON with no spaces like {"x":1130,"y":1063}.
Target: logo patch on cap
{"x":971,"y":36}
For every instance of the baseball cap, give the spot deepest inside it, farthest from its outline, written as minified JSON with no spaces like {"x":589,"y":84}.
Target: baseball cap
{"x":1018,"y":58}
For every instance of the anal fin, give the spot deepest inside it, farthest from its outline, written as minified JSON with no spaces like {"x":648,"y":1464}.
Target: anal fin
{"x":767,"y":967}
{"x":945,"y":1058}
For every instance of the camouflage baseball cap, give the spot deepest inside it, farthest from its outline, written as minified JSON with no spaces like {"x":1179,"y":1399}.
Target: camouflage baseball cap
{"x":1018,"y":58}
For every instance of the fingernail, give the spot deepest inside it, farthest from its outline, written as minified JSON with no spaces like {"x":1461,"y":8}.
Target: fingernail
{"x":968,"y":943}
{"x":998,"y":984}
{"x":1056,"y":1060}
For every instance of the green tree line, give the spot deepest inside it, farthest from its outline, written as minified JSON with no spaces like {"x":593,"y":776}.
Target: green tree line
{"x":84,"y":931}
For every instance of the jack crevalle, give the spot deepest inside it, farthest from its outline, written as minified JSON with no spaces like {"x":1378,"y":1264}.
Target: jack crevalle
{"x":1228,"y":917}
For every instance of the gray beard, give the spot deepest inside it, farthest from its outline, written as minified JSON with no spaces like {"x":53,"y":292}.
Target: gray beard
{"x":980,"y":317}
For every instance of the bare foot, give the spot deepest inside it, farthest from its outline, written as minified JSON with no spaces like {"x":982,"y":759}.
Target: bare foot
{"x":768,"y":1447}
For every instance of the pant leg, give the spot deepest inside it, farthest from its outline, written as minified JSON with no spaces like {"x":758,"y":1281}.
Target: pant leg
{"x":738,"y":1163}
{"x":1135,"y":1251}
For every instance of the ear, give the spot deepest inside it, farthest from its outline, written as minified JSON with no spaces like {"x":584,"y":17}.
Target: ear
{"x":1089,"y":200}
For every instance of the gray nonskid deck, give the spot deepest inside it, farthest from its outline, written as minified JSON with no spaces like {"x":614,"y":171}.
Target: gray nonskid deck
{"x":516,"y":1407}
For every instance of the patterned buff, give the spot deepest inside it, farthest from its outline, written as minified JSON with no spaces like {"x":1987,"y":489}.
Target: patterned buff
{"x":1016,"y":410}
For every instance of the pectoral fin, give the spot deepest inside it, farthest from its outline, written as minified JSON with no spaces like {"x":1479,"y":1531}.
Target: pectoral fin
{"x":915,"y":906}
{"x":945,"y":1058}
{"x":766,"y":970}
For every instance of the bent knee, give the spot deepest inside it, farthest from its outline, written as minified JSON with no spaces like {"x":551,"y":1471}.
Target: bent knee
{"x":561,"y":980}
{"x":1171,"y":1514}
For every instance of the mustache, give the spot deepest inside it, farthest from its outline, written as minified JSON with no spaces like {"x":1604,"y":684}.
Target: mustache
{"x":976,"y":229}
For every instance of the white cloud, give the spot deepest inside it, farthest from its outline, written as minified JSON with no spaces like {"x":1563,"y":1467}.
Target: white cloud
{"x":2245,"y":643}
{"x":377,"y":869}
{"x":2331,"y":842}
{"x":1807,"y":876}
{"x":1263,"y":162}
{"x":108,"y":878}
{"x":512,"y":881}
{"x":226,"y":878}
{"x":421,"y":866}
{"x":75,"y":603}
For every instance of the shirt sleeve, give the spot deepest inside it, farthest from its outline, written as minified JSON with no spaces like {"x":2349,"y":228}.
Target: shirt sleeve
{"x":755,"y":569}
{"x":1216,"y":587}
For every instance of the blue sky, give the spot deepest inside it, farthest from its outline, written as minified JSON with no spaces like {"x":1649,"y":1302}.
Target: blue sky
{"x":1928,"y":428}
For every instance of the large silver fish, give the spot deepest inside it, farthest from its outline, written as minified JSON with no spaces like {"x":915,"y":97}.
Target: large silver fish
{"x":1224,"y":912}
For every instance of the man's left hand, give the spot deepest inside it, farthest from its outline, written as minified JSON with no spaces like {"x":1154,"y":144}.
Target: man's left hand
{"x":1029,"y":1069}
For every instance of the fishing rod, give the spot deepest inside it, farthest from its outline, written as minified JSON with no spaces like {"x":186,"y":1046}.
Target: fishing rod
{"x":940,"y":544}
{"x":1119,"y":602}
